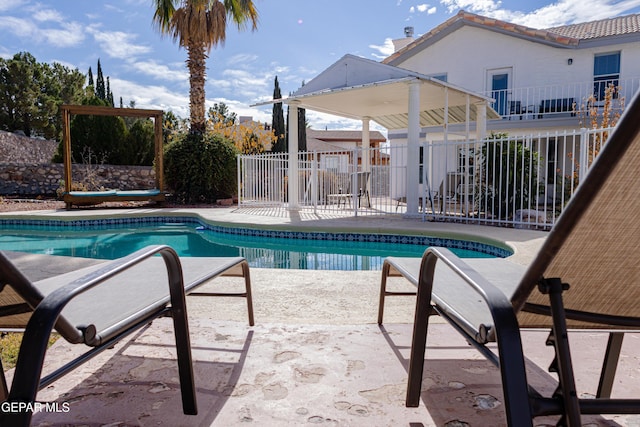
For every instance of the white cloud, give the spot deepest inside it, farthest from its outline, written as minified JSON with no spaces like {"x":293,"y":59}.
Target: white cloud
{"x":383,"y":51}
{"x":242,"y":59}
{"x":422,"y":7}
{"x":561,"y":12}
{"x":160,"y":71}
{"x":18,"y":27}
{"x":571,"y":11}
{"x":12,"y":4}
{"x":118,"y":44}
{"x":44,"y":15}
{"x":151,"y":96}
{"x":476,"y":6}
{"x":71,"y":34}
{"x":59,"y":34}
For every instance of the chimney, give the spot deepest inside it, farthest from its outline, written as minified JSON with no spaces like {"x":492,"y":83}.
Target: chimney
{"x":408,"y":38}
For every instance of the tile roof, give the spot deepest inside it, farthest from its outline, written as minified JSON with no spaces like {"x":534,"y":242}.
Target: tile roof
{"x":568,"y":35}
{"x":603,"y":28}
{"x":515,"y":28}
{"x":344,"y":135}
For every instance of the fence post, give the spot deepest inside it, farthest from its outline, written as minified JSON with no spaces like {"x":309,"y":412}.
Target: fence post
{"x":239,"y":177}
{"x":314,"y":179}
{"x":584,"y":154}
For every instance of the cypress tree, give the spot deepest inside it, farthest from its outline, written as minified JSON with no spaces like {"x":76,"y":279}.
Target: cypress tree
{"x":101,"y":92}
{"x":109,"y":94}
{"x":302,"y":129}
{"x":90,"y":78}
{"x":277,"y":122}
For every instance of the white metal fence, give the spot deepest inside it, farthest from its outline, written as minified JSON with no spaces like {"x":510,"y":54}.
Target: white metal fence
{"x":515,"y":181}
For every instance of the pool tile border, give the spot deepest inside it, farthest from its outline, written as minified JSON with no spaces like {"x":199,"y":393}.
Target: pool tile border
{"x":256,"y":232}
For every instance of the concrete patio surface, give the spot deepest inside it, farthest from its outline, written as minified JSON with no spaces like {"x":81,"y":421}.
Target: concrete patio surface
{"x":316,"y":355}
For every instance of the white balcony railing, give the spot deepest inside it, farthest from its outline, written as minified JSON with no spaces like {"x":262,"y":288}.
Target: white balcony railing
{"x":567,"y":100}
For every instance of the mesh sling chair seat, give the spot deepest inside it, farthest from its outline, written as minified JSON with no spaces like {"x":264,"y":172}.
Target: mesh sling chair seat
{"x":98,"y":306}
{"x":585,"y":276}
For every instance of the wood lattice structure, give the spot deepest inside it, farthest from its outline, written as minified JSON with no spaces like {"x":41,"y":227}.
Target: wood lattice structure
{"x":95,"y":197}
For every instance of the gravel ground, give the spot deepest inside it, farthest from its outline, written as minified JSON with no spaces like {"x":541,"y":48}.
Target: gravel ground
{"x":12,"y":205}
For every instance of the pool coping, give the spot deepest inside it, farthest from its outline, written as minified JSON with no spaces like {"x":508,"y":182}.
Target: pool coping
{"x":448,"y":239}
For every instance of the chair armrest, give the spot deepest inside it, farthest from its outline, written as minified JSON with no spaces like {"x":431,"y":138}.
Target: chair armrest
{"x":497,"y":302}
{"x":43,"y":319}
{"x":506,"y":330}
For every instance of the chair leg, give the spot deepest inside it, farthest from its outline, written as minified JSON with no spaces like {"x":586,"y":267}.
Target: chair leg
{"x":246,"y":294}
{"x":567,"y":385}
{"x":181,"y":332}
{"x":418,"y":346}
{"x":420,"y":328}
{"x":386,"y":270}
{"x":383,"y":289}
{"x":26,"y":376}
{"x":247,"y":284}
{"x":610,"y":364}
{"x":4,"y":390}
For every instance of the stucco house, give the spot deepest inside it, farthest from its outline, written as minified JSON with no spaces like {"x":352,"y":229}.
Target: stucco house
{"x":441,"y":94}
{"x":339,"y":147}
{"x":543,"y":82}
{"x":540,"y":79}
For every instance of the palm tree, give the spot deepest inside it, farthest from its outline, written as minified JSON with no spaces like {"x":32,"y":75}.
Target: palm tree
{"x":199,"y":25}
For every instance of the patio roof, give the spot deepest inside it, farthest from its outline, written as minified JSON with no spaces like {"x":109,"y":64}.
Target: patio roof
{"x":359,"y":88}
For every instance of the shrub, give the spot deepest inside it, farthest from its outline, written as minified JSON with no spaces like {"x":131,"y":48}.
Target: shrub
{"x":510,"y":170}
{"x":140,"y":144}
{"x":201,"y":168}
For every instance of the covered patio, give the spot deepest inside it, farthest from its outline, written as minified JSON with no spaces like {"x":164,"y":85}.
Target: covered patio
{"x":393,"y":97}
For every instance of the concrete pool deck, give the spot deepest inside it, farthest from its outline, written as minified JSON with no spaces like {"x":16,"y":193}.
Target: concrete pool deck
{"x":316,"y":354}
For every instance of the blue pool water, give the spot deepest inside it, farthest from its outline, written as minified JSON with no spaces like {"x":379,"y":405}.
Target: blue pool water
{"x":110,"y":239}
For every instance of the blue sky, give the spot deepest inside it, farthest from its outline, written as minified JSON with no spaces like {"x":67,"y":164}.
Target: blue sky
{"x":295,"y":40}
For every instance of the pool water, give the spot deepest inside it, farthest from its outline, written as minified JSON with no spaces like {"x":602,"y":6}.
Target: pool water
{"x":191,"y":240}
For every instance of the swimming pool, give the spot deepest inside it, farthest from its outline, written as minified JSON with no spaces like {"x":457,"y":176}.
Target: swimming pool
{"x":113,"y":238}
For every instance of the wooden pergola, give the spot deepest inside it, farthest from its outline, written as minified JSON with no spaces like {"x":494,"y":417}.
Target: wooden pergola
{"x":96,"y":197}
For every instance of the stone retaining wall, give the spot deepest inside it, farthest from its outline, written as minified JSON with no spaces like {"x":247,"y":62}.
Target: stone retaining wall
{"x":31,"y":180}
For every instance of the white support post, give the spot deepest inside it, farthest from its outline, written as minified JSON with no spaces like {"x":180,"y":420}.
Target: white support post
{"x":413,"y":149}
{"x":366,"y":145}
{"x":481,"y":121}
{"x":583,"y":163}
{"x":293,"y":156}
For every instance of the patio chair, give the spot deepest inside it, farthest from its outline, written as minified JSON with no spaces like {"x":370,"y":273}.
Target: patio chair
{"x":359,"y":181}
{"x":98,"y":306}
{"x":448,"y":195}
{"x":586,"y":276}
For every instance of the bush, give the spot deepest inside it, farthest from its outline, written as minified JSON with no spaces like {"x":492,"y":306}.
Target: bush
{"x":511,"y":174}
{"x":201,"y":168}
{"x":140,"y":144}
{"x":104,"y":137}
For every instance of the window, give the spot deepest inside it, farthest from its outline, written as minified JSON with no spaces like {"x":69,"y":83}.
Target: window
{"x":441,"y":77}
{"x":606,"y":71}
{"x":335,"y":163}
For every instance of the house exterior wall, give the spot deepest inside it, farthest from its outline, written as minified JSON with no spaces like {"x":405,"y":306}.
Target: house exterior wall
{"x":470,"y":54}
{"x":538,"y":70}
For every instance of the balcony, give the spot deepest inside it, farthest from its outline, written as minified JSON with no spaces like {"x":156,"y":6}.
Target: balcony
{"x":560,"y":101}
